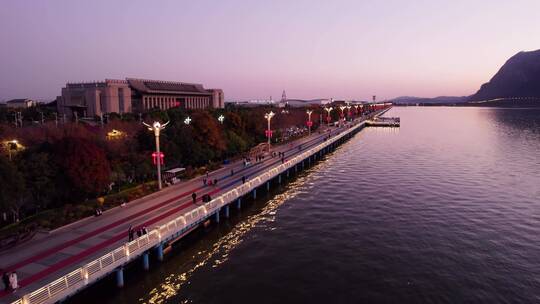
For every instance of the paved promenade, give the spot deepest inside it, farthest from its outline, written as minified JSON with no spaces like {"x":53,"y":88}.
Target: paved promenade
{"x":49,"y":256}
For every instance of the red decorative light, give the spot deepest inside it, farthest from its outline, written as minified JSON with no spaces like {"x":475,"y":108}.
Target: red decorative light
{"x":309,"y":123}
{"x":268,"y":133}
{"x":161,"y":157}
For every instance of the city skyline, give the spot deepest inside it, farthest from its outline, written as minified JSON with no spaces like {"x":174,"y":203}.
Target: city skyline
{"x":255,"y":50}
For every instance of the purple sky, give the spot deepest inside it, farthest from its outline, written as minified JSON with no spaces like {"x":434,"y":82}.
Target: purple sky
{"x":254,"y":49}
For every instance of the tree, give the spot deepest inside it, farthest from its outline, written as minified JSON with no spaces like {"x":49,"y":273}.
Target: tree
{"x":208,"y":131}
{"x":85,"y":164}
{"x":12,"y":189}
{"x":235,"y":144}
{"x":234,"y":122}
{"x":39,"y":173}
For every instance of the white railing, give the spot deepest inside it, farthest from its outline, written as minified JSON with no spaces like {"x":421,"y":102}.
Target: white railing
{"x":95,"y":270}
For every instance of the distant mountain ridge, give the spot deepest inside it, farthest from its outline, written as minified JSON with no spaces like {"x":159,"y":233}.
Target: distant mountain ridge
{"x":518,"y":77}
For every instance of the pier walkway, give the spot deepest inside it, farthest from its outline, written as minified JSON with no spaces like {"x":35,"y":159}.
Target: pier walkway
{"x":383,"y":122}
{"x":57,"y":265}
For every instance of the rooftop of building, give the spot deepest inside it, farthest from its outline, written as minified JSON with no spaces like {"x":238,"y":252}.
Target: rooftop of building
{"x":160,"y":86}
{"x":19,"y":100}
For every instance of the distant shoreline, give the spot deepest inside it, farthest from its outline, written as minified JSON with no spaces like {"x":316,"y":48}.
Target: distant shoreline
{"x":486,"y":104}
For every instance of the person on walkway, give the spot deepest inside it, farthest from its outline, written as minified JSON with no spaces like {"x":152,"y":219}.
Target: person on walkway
{"x":204,"y":181}
{"x":144,"y":230}
{"x":130,"y":233}
{"x":232,"y":172}
{"x":243,"y":179}
{"x":215,"y":182}
{"x":194,"y":197}
{"x":13,"y":281}
{"x":139,"y":233}
{"x":5,"y":280}
{"x":282,"y":160}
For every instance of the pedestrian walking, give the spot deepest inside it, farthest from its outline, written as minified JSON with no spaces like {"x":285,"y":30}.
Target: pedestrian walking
{"x":5,"y":280}
{"x":243,"y":179}
{"x":232,"y":172}
{"x":144,"y":230}
{"x":139,"y":233}
{"x":130,"y":233}
{"x":283,"y":160}
{"x":215,"y":182}
{"x":204,"y":181}
{"x":194,"y":197}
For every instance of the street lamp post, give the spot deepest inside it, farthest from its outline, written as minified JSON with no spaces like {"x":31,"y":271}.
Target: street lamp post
{"x":342,"y":108}
{"x":221,"y":118}
{"x":349,"y":111}
{"x":328,"y":118}
{"x":309,"y":122}
{"x":156,"y":127}
{"x":268,"y":117}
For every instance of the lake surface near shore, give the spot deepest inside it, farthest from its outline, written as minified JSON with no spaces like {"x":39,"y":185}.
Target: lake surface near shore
{"x":444,"y":209}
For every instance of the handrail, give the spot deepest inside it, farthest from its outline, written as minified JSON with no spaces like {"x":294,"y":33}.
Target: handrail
{"x":96,"y":269}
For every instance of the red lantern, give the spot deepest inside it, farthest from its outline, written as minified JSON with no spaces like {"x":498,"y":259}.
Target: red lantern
{"x":268,"y":133}
{"x":309,"y":123}
{"x":161,"y":157}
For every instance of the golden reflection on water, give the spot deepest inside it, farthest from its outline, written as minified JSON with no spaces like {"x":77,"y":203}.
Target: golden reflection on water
{"x":219,"y":253}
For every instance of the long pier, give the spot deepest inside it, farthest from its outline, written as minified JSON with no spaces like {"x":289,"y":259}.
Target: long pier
{"x":158,"y":238}
{"x":383,"y":122}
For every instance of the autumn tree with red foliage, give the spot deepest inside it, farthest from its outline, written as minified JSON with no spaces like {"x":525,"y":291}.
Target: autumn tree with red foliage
{"x":84,"y":164}
{"x":208,"y":130}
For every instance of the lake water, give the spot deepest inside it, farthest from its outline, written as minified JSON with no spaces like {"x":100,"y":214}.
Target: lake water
{"x":445,"y":209}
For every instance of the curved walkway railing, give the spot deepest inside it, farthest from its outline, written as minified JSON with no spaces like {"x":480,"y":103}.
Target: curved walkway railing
{"x":91,"y":272}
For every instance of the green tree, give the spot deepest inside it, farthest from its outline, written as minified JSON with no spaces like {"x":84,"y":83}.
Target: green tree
{"x":235,"y":143}
{"x":12,"y":189}
{"x":39,"y":173}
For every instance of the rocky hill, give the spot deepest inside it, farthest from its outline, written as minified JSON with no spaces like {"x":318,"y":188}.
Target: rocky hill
{"x":518,"y":77}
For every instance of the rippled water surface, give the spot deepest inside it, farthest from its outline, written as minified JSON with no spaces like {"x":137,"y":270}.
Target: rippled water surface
{"x":445,"y":209}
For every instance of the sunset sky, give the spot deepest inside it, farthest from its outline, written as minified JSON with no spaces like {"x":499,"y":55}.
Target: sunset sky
{"x":256,"y":49}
